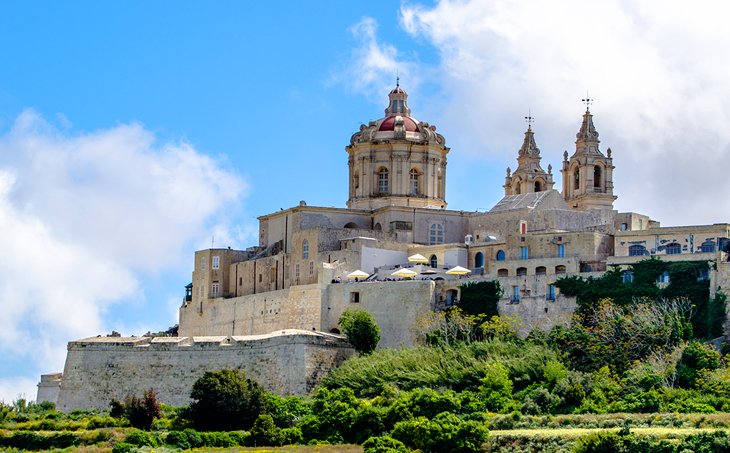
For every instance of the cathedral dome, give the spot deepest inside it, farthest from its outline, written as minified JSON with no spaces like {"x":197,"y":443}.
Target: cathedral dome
{"x":388,"y":123}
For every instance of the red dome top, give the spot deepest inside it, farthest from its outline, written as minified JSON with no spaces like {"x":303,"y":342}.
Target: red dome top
{"x":397,"y":89}
{"x":388,"y":124}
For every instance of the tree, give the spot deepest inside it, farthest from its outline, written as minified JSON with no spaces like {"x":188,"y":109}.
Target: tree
{"x":361,"y":330}
{"x":225,"y":400}
{"x":140,"y":412}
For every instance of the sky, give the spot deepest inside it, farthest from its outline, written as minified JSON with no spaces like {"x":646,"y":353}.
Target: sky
{"x":134,"y":133}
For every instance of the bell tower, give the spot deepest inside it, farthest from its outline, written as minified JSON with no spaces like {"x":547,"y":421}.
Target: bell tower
{"x":588,"y":174}
{"x":529,"y":176}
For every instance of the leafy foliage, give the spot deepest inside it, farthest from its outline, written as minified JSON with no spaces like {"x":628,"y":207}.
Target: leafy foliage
{"x":226,"y":400}
{"x":140,"y":412}
{"x":480,"y":298}
{"x":361,"y":330}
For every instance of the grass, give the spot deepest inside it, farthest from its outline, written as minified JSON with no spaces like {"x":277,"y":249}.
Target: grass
{"x":574,"y":433}
{"x":288,"y":449}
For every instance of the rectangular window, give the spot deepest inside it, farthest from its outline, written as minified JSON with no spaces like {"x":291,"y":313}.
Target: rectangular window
{"x":551,"y":292}
{"x":296,"y":274}
{"x":216,"y":263}
{"x":203,"y":262}
{"x":355,"y":297}
{"x":524,"y":252}
{"x":215,"y":289}
{"x":311,"y":268}
{"x":561,"y":250}
{"x":515,"y":294}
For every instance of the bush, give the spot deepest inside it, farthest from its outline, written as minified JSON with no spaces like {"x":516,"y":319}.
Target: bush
{"x":446,"y":432}
{"x":226,"y":400}
{"x":361,"y":330}
{"x":695,"y":358}
{"x":140,"y":438}
{"x":384,"y":444}
{"x":265,"y":433}
{"x":140,"y":412}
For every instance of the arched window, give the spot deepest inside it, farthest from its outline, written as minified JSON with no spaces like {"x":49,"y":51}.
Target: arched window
{"x":540,"y":270}
{"x":350,"y":225}
{"x":383,"y":180}
{"x":436,"y":234}
{"x":516,"y":186}
{"x":576,"y":179}
{"x":637,"y":250}
{"x":502,"y":273}
{"x":597,"y":184}
{"x":628,"y":277}
{"x":538,"y":186}
{"x":674,"y":249}
{"x":378,"y":227}
{"x":479,"y":260}
{"x":500,"y":255}
{"x":560,"y":269}
{"x":413,"y":178}
{"x":356,"y":181}
{"x":434,"y":261}
{"x":521,"y":271}
{"x":305,"y":249}
{"x":708,"y":247}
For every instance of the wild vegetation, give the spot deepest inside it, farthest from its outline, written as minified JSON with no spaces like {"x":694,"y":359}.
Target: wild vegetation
{"x":631,"y":373}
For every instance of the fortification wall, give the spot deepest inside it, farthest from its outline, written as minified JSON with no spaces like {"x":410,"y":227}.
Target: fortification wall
{"x":297,"y":307}
{"x":394,"y":305}
{"x":101,"y":369}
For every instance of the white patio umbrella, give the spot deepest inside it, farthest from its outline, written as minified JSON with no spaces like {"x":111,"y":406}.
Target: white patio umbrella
{"x":358,"y":274}
{"x":406,"y":273}
{"x":417,"y":258}
{"x":458,"y":270}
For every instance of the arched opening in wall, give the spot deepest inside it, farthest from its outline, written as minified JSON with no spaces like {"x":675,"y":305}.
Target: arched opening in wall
{"x":479,"y":260}
{"x":560,"y":269}
{"x":305,"y":249}
{"x":708,"y":247}
{"x":521,"y":271}
{"x":516,"y":187}
{"x":383,"y":180}
{"x":350,"y":225}
{"x":500,"y":255}
{"x":377,"y":227}
{"x":413,"y":182}
{"x":452,"y":297}
{"x":335,"y":331}
{"x":503,"y":273}
{"x":674,"y":249}
{"x":538,"y":186}
{"x":637,"y":250}
{"x":576,"y":179}
{"x":597,"y":177}
{"x":540,"y":270}
{"x":434,"y":261}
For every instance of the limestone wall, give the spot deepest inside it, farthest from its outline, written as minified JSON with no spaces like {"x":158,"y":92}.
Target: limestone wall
{"x":394,"y":305}
{"x":101,"y":369}
{"x":297,"y":307}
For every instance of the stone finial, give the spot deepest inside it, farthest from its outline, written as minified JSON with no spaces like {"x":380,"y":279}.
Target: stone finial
{"x":608,"y":152}
{"x":509,"y":172}
{"x":550,"y":169}
{"x":565,"y":156}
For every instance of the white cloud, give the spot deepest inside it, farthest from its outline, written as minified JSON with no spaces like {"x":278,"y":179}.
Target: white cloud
{"x":374,"y":65}
{"x":652,"y":66}
{"x":83,"y":218}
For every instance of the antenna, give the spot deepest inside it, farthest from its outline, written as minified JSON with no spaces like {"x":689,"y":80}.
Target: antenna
{"x":212,"y":241}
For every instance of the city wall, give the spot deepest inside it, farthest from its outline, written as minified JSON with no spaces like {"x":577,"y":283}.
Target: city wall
{"x":101,"y":369}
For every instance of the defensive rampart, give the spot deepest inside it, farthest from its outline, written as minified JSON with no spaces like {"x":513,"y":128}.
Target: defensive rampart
{"x":104,"y":368}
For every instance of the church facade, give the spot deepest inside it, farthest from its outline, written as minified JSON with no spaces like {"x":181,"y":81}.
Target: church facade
{"x":291,"y":288}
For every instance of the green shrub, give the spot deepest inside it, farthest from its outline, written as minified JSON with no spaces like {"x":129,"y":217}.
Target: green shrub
{"x":141,"y":438}
{"x":361,"y":330}
{"x":124,"y":447}
{"x":265,"y":433}
{"x":601,"y":442}
{"x":384,"y":444}
{"x":226,"y":400}
{"x":696,"y":357}
{"x":446,"y":432}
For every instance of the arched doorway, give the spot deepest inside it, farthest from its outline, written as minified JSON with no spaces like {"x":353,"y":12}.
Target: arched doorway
{"x":479,"y":260}
{"x":434,"y":261}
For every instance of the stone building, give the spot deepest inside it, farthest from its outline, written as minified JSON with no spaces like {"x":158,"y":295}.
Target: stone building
{"x":273,"y":308}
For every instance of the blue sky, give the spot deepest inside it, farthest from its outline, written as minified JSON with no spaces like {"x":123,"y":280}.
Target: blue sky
{"x":132,"y":134}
